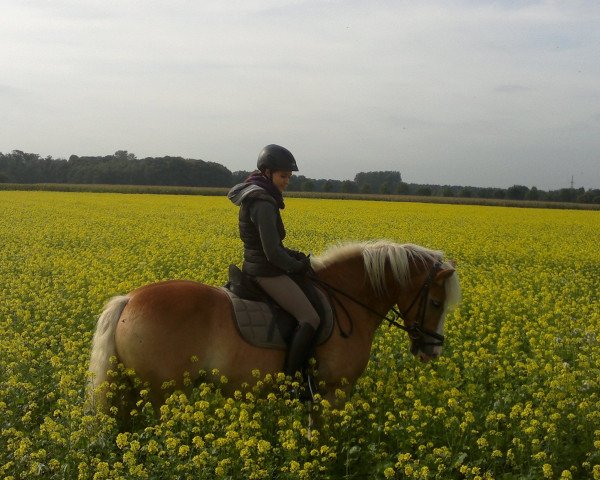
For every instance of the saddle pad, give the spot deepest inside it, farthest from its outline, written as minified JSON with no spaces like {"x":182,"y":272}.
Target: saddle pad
{"x":257,"y":325}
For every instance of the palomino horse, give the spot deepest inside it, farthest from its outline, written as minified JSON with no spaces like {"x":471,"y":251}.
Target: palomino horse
{"x":167,"y":330}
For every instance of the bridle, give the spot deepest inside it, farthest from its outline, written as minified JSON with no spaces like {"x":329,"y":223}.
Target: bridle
{"x":417,"y":331}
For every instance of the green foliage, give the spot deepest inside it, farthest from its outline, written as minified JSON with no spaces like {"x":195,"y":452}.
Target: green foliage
{"x":122,"y":168}
{"x":377,"y":180}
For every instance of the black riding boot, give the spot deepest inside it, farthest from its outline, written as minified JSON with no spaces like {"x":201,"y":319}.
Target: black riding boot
{"x":300,"y":350}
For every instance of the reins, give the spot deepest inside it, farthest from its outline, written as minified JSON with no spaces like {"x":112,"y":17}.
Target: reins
{"x":415,"y":331}
{"x":329,"y":288}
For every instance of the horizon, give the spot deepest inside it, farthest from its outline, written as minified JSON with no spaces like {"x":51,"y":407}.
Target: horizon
{"x":572,"y":184}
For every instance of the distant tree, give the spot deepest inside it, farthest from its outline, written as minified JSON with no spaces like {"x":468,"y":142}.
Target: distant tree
{"x":517,"y":192}
{"x":308,"y":186}
{"x":3,"y":177}
{"x":124,"y":155}
{"x":403,"y":189}
{"x":465,"y":192}
{"x":448,"y":192}
{"x":485,"y":192}
{"x":533,"y":194}
{"x":296,"y":183}
{"x":348,"y":186}
{"x":336,"y":185}
{"x":375,"y":180}
{"x":591,"y":196}
{"x":239,"y":177}
{"x":124,"y":168}
{"x":567,"y":194}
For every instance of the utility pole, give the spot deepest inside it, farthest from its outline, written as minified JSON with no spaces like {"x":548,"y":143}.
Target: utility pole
{"x":572,"y":183}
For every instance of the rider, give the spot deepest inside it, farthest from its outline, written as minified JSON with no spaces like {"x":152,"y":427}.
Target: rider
{"x":265,"y":258}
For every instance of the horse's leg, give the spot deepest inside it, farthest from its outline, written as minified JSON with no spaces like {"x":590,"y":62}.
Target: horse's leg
{"x":125,"y":402}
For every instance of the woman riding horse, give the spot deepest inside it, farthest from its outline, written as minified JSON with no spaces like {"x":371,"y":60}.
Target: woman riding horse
{"x":175,"y":332}
{"x":266,"y":260}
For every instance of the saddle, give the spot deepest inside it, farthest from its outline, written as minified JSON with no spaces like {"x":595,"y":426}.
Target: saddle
{"x":263,"y":323}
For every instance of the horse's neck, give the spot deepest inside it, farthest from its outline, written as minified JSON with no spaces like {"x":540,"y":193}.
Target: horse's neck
{"x":347,"y":356}
{"x":349,"y":276}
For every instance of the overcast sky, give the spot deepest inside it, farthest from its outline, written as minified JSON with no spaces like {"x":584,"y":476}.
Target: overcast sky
{"x":481,"y":93}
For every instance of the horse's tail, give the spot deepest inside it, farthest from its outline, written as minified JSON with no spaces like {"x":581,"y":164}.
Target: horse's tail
{"x":103,"y":347}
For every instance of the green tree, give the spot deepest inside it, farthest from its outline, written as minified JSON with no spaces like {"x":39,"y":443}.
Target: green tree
{"x":348,"y":186}
{"x":403,"y":188}
{"x":448,"y":192}
{"x":375,"y":180}
{"x":517,"y":192}
{"x":533,"y":194}
{"x":308,"y":186}
{"x":124,"y":155}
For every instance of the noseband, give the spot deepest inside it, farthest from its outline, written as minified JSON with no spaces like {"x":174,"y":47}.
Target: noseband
{"x":417,"y":331}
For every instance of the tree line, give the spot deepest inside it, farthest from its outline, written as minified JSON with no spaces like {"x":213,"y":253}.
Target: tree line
{"x":124,"y":168}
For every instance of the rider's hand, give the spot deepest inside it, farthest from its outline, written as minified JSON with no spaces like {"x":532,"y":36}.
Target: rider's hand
{"x":300,"y":256}
{"x":306,"y":266}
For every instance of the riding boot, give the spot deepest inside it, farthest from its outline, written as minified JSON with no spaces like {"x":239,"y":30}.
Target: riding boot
{"x":299,"y":350}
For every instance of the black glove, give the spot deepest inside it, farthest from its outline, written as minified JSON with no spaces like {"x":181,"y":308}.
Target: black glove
{"x":297,"y":255}
{"x":306,"y":266}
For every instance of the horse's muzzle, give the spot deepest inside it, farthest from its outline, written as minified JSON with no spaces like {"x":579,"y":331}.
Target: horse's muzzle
{"x":424,"y":353}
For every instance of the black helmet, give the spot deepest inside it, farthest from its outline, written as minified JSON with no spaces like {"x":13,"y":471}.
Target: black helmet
{"x":275,"y":157}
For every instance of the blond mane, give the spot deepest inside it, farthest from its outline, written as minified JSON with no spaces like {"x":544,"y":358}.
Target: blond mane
{"x":376,"y":253}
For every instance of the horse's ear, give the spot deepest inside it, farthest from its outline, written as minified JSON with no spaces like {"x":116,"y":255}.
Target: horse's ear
{"x":443,"y":274}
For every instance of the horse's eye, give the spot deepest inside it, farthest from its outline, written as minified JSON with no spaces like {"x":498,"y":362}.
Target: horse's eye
{"x":436,"y":303}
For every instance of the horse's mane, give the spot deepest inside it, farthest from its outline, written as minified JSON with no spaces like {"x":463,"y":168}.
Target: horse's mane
{"x":375,"y":253}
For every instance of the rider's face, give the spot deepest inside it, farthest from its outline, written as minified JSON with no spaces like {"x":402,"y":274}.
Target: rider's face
{"x":281,"y":179}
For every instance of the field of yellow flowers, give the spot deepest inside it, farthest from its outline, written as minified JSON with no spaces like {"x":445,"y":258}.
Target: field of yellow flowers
{"x":516,"y":394}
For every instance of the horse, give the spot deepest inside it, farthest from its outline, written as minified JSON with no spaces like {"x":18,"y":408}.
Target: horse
{"x":173,"y":330}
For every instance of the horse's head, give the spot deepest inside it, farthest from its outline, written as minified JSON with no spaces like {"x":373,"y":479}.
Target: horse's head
{"x":434,"y":291}
{"x":415,"y":278}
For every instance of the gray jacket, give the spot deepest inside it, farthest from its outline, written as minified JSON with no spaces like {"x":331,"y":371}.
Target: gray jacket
{"x":262,"y":231}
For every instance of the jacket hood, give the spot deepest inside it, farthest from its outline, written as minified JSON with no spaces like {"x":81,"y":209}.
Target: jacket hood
{"x":239,"y":192}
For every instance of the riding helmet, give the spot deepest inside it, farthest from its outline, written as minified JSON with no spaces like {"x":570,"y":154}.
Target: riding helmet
{"x":275,"y":157}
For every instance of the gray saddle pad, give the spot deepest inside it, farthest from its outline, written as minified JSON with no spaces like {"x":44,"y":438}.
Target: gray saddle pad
{"x":257,"y":326}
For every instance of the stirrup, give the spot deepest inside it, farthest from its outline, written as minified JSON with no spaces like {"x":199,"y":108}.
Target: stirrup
{"x":310,"y":387}
{"x":307,"y":390}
